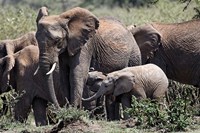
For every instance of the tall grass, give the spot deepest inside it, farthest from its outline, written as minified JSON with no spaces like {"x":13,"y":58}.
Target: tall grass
{"x":163,"y":11}
{"x":16,"y":21}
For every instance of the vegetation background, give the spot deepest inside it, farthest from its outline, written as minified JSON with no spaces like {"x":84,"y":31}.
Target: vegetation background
{"x":18,"y":17}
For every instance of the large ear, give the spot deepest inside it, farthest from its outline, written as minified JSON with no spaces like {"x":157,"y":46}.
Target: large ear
{"x":146,"y":36}
{"x":3,"y":51}
{"x":81,"y":25}
{"x":8,"y":62}
{"x":43,"y":11}
{"x":124,"y":84}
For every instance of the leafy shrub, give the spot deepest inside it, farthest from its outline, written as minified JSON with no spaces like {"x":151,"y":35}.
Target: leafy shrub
{"x":148,"y":113}
{"x":186,"y":93}
{"x":67,"y":113}
{"x":182,"y":105}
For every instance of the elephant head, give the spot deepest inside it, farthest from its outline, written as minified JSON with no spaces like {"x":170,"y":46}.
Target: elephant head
{"x":6,"y":65}
{"x":147,"y":38}
{"x":56,"y":34}
{"x":94,"y":80}
{"x":115,"y":84}
{"x":69,"y":30}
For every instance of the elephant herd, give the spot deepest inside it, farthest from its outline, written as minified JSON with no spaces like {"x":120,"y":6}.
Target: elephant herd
{"x":54,"y":64}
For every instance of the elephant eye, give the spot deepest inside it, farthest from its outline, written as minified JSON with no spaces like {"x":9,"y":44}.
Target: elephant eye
{"x":58,"y":42}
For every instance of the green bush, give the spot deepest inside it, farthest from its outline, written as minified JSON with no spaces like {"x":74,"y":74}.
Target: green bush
{"x":67,"y":113}
{"x":175,"y":117}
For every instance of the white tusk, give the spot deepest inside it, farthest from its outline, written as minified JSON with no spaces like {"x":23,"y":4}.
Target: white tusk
{"x":52,"y":69}
{"x":36,"y":71}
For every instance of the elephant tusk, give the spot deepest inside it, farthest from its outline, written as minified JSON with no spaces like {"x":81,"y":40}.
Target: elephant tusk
{"x":36,"y":71}
{"x":52,"y":69}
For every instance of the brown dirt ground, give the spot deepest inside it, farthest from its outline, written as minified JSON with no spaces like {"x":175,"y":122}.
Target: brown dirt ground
{"x":78,"y":126}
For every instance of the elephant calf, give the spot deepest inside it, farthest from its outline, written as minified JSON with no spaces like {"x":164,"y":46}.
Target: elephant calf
{"x":93,"y":84}
{"x":145,"y":81}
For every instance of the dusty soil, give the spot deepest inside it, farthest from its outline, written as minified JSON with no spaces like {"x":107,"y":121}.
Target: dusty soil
{"x":78,"y":126}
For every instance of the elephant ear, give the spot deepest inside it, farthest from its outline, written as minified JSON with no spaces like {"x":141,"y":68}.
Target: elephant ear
{"x":81,"y":25}
{"x":43,"y":11}
{"x":8,"y":62}
{"x":146,"y":36}
{"x":124,"y":84}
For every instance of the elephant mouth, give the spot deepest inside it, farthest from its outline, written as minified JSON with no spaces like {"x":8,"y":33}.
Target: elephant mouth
{"x":53,"y":67}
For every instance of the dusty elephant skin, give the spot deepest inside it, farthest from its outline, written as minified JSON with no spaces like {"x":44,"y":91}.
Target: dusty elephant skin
{"x":18,"y":66}
{"x":173,"y":47}
{"x":63,"y":35}
{"x":63,"y":38}
{"x":29,"y":86}
{"x":145,"y":81}
{"x":8,"y":48}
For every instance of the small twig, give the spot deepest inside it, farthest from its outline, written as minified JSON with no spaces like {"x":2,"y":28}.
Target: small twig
{"x":188,"y":2}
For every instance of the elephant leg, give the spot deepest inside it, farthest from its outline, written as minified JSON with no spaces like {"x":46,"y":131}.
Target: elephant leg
{"x":99,"y":111}
{"x":39,"y":110}
{"x":65,"y":85}
{"x":22,"y":108}
{"x":5,"y":106}
{"x":139,"y":93}
{"x":126,"y":103}
{"x":159,"y":95}
{"x":79,"y":68}
{"x":112,"y":108}
{"x":64,"y":77}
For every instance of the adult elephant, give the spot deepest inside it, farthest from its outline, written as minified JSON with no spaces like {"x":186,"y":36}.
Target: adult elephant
{"x":173,"y":47}
{"x":63,"y":38}
{"x":29,"y":86}
{"x":8,"y":48}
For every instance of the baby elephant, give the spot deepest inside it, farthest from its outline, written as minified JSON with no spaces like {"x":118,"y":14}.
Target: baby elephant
{"x":93,"y":83}
{"x":145,"y":81}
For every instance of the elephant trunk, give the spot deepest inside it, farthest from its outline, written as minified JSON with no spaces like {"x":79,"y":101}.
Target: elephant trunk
{"x":46,"y":61}
{"x":99,"y":93}
{"x":44,"y":67}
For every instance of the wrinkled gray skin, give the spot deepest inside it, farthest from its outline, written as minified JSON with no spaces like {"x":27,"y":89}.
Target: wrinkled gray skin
{"x":173,"y":47}
{"x":93,"y":84}
{"x":19,"y":66}
{"x":30,"y":87}
{"x":145,"y":81}
{"x":8,"y":48}
{"x":63,"y":38}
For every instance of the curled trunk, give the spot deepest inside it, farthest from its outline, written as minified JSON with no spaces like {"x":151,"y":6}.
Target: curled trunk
{"x":99,"y":93}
